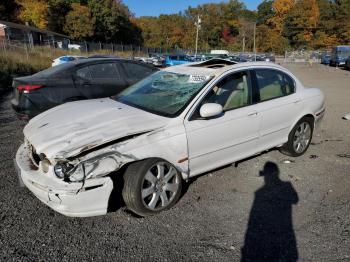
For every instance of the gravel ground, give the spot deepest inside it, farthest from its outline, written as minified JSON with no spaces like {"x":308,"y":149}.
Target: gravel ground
{"x":304,"y":214}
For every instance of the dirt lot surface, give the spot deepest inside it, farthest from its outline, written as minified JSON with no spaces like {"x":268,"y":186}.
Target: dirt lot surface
{"x":304,"y":214}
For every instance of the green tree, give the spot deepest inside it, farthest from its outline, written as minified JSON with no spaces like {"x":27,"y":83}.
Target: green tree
{"x":58,"y":9}
{"x":113,"y":22}
{"x":343,"y":19}
{"x":265,"y":12}
{"x":79,"y":23}
{"x":248,"y":15}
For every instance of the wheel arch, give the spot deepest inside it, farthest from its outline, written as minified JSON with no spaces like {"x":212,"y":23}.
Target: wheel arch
{"x":301,"y":116}
{"x":311,"y":116}
{"x":178,"y":167}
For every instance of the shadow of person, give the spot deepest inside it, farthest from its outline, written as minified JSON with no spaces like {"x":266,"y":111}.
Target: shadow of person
{"x":270,"y":235}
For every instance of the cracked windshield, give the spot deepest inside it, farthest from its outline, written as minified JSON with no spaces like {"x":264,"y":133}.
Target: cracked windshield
{"x":164,"y":93}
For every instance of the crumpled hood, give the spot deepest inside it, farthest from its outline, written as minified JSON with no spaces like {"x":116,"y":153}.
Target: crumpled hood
{"x":68,"y":129}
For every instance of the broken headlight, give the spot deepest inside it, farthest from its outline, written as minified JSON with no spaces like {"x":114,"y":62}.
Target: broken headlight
{"x":78,"y":173}
{"x":68,"y":171}
{"x":94,"y":167}
{"x":63,"y":170}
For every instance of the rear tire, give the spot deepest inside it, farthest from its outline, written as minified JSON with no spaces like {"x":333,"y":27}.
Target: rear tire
{"x":151,"y":186}
{"x":299,"y":138}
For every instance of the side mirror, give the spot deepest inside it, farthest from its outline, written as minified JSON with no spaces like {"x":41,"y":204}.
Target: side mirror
{"x":210,"y":110}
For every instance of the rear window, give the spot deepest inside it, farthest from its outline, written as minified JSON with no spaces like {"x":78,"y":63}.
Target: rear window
{"x":137,"y":71}
{"x":56,"y":70}
{"x":106,"y":70}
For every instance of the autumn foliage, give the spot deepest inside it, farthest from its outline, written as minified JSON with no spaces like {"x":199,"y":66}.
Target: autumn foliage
{"x":279,"y":24}
{"x":34,"y":11}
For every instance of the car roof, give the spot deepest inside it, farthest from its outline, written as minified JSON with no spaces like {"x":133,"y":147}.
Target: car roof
{"x":87,"y":60}
{"x":217,"y":67}
{"x":71,"y":64}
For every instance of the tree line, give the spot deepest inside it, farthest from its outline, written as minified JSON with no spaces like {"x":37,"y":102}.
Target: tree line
{"x":278,"y":25}
{"x":97,"y":20}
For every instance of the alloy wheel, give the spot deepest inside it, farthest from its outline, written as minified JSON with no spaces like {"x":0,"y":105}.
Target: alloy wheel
{"x":302,"y":137}
{"x":160,"y":185}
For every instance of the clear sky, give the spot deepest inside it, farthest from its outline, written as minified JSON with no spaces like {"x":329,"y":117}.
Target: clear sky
{"x":156,"y":7}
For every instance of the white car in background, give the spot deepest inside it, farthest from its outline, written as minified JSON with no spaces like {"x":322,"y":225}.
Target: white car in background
{"x":173,"y":125}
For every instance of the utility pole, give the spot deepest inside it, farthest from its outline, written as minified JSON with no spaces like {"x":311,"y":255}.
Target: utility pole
{"x":243,"y":42}
{"x":254,"y":48}
{"x":198,"y":24}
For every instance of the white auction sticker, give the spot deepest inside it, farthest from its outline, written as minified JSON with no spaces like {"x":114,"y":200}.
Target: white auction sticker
{"x":198,"y":79}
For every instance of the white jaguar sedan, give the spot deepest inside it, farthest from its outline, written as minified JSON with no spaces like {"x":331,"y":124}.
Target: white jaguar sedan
{"x":175,"y":124}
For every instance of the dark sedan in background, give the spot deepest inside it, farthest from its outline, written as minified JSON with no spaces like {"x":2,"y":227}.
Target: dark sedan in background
{"x":77,"y":80}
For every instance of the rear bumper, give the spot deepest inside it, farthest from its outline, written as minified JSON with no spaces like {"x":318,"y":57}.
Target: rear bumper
{"x":70,"y":199}
{"x":24,"y":113}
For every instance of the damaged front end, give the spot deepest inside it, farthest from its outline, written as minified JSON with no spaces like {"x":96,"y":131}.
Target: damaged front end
{"x":77,"y":185}
{"x":91,"y":162}
{"x":81,"y":169}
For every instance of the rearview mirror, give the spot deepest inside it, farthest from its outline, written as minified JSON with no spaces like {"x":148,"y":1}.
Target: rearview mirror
{"x":210,"y":110}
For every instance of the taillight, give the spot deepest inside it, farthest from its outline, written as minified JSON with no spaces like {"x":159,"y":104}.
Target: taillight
{"x":28,"y":87}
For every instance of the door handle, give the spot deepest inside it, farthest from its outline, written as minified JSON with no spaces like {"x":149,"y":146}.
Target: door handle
{"x":297,"y":101}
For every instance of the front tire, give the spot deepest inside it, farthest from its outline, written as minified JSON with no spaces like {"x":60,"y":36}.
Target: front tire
{"x":151,"y":186}
{"x":299,"y":138}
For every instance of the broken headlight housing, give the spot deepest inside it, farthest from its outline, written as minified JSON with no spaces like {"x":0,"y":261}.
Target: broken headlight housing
{"x":94,"y":167}
{"x":70,"y":172}
{"x":63,"y":170}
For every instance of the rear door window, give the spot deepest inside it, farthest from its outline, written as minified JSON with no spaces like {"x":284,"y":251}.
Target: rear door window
{"x":56,"y":70}
{"x":273,"y":84}
{"x":104,"y":71}
{"x":84,"y":72}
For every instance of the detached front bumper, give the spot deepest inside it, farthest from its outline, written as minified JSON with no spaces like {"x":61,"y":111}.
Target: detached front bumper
{"x":70,"y":199}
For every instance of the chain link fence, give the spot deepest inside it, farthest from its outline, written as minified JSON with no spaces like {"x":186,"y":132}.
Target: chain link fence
{"x":89,"y":47}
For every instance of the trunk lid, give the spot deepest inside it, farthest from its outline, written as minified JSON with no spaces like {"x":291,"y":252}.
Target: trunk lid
{"x":31,"y":83}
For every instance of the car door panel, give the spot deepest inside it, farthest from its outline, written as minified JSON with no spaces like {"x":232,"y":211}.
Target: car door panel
{"x":277,"y":114}
{"x":276,"y":119}
{"x":216,"y":142}
{"x":229,"y":137}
